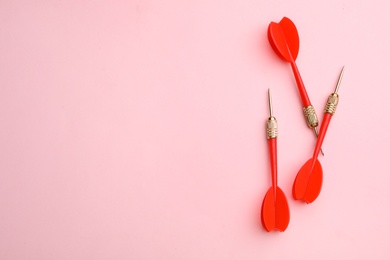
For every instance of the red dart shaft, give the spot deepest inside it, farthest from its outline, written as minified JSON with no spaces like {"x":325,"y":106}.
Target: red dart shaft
{"x":321,"y":135}
{"x":274,"y":163}
{"x":301,"y":87}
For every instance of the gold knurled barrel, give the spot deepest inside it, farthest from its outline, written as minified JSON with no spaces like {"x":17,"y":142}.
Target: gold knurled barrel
{"x":311,"y":116}
{"x":272,"y":128}
{"x":331,"y":104}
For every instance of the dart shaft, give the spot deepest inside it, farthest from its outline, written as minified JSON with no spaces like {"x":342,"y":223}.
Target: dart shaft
{"x":272,"y":134}
{"x":301,"y":87}
{"x":274,"y":163}
{"x":321,"y":135}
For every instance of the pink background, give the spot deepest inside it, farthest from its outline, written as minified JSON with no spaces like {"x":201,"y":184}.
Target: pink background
{"x":136,"y":130}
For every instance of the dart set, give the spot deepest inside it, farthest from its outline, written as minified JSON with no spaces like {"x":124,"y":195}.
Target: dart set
{"x":275,"y":213}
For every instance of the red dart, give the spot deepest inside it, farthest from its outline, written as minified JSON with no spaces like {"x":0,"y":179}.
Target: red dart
{"x":284,"y":39}
{"x":308,"y":182}
{"x":275,"y":214}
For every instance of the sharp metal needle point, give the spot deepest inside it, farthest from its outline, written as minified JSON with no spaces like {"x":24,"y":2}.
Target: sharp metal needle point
{"x":270,"y":103}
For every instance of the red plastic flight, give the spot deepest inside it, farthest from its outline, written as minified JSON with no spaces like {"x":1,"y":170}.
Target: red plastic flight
{"x":284,"y":39}
{"x":308,"y":182}
{"x":275,"y":213}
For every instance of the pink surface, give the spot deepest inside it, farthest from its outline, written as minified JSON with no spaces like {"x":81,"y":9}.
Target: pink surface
{"x":136,"y":130}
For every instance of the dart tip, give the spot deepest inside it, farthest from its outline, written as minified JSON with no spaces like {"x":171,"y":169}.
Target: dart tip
{"x":270,"y":103}
{"x":339,"y":80}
